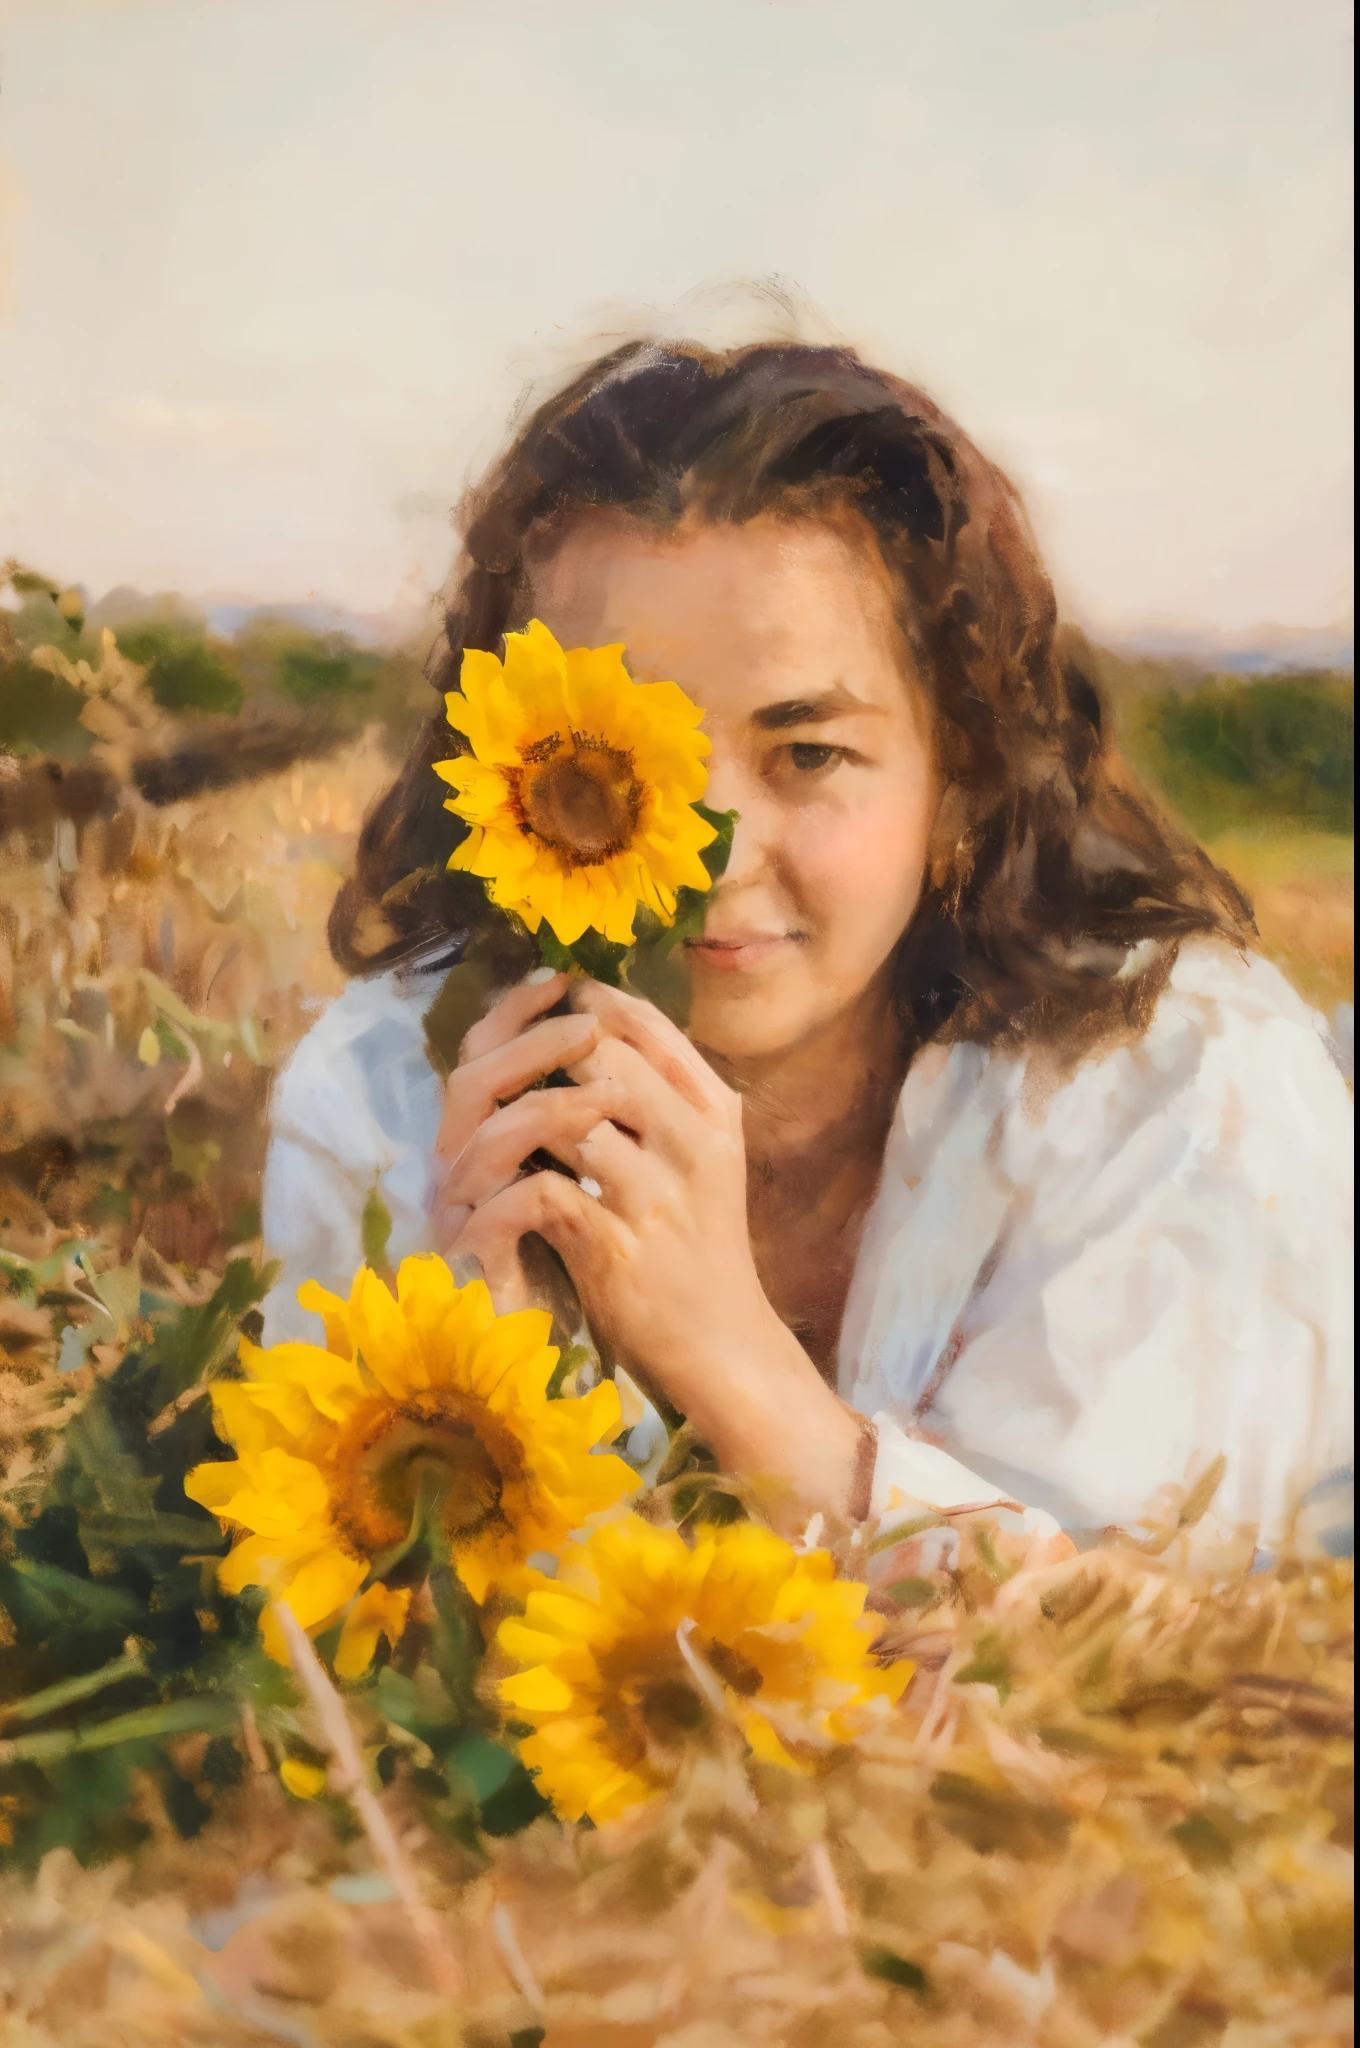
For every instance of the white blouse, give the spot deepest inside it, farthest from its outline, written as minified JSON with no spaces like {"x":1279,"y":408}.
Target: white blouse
{"x":1069,"y":1293}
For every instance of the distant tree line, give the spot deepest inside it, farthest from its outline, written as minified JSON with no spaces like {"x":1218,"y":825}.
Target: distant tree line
{"x":272,"y":670}
{"x":1237,"y":751}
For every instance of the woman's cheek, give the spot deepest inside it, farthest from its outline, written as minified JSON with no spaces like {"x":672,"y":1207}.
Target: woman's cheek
{"x":860,"y":870}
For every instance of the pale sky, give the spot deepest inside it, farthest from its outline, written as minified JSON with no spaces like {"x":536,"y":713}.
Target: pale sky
{"x":279,"y":270}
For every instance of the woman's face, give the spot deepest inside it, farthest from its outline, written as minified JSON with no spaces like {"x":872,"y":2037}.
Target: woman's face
{"x":784,"y":631}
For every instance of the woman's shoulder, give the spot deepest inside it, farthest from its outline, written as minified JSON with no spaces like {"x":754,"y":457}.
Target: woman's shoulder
{"x":361,"y":1077}
{"x":1221,"y":1009}
{"x":1232,"y":1022}
{"x":1232,"y":1064}
{"x":1221,"y":989}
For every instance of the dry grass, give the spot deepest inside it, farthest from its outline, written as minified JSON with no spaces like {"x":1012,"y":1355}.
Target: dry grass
{"x":1303,"y":887}
{"x":1135,"y":1829}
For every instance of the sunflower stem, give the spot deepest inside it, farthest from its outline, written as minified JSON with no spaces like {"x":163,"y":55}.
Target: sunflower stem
{"x":67,"y":1691}
{"x":143,"y":1724}
{"x":349,"y":1779}
{"x":458,"y":1644}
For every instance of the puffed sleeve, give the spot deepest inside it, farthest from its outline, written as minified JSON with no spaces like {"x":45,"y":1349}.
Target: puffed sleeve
{"x":353,"y":1117}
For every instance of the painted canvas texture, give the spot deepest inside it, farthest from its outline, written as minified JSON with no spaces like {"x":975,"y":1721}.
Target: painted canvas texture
{"x":676,"y":1033}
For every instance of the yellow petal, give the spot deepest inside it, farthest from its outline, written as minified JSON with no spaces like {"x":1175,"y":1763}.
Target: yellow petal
{"x":276,"y":1494}
{"x":322,"y":1585}
{"x":252,"y":1419}
{"x":329,"y":1382}
{"x":268,"y":1561}
{"x":526,"y":1645}
{"x":514,"y":1361}
{"x":539,"y":1691}
{"x":381,"y":1337}
{"x":381,"y":1611}
{"x":214,"y":1484}
{"x":765,"y":1744}
{"x":334,"y":1314}
{"x":304,"y":1781}
{"x":474,"y":1569}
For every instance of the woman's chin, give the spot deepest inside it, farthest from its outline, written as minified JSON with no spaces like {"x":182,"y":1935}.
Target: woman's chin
{"x":749,"y":1013}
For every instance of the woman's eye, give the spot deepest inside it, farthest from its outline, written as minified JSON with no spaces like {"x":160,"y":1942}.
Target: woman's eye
{"x":809,"y":758}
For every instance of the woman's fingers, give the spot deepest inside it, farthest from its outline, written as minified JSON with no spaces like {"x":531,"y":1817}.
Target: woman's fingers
{"x":628,"y":1090}
{"x":571,"y":1125}
{"x":664,"y":1047}
{"x":447,"y":1217}
{"x":554,"y":1120}
{"x":473,"y":1091}
{"x":634,"y":1184}
{"x":514,"y":1013}
{"x":502,"y":1269}
{"x":576,"y":1226}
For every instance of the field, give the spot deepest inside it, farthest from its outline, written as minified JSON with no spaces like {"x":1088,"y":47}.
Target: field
{"x":1114,"y":1809}
{"x":1302,"y":887}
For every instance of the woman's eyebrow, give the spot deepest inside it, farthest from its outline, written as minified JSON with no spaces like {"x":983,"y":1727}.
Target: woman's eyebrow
{"x":834,"y":703}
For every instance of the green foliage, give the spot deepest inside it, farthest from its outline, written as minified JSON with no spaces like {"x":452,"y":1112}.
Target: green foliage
{"x":376,"y":1228}
{"x":185,"y":672}
{"x":189,"y":671}
{"x":122,"y":1640}
{"x":894,"y":1969}
{"x":333,"y":668}
{"x":473,"y":1782}
{"x":40,"y":713}
{"x":1233,"y":752}
{"x":282,"y":662}
{"x":988,"y":1666}
{"x":47,"y":617}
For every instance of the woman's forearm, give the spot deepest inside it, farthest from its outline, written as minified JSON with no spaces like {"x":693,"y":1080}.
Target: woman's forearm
{"x":771,"y":1417}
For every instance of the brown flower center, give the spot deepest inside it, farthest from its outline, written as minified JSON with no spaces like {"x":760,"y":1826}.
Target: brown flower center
{"x":735,"y":1671}
{"x":580,"y":796}
{"x":652,"y":1706}
{"x":401,"y":1459}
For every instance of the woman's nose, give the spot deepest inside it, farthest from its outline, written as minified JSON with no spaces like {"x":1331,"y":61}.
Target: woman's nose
{"x":725,"y":783}
{"x":730,"y":789}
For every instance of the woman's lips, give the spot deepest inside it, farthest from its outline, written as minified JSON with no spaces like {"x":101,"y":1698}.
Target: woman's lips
{"x":737,"y":952}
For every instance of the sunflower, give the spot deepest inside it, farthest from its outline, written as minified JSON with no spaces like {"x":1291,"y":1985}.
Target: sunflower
{"x":640,"y":1645}
{"x":579,"y":787}
{"x":429,"y":1405}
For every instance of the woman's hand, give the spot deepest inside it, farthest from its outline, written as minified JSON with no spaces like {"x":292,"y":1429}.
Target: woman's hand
{"x":654,"y":1234}
{"x":514,"y":1046}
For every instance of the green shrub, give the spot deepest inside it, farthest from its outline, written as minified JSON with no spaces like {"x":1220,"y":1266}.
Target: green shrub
{"x":184,"y":672}
{"x":1232,"y":751}
{"x":332,"y":668}
{"x":40,"y":713}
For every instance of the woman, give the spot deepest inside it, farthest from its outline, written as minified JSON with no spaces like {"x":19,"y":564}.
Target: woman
{"x":993,"y":1167}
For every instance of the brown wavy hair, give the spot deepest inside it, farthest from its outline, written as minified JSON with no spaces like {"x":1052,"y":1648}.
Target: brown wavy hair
{"x":1057,"y":893}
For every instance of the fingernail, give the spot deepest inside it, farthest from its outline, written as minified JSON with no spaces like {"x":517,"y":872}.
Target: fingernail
{"x":536,"y":976}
